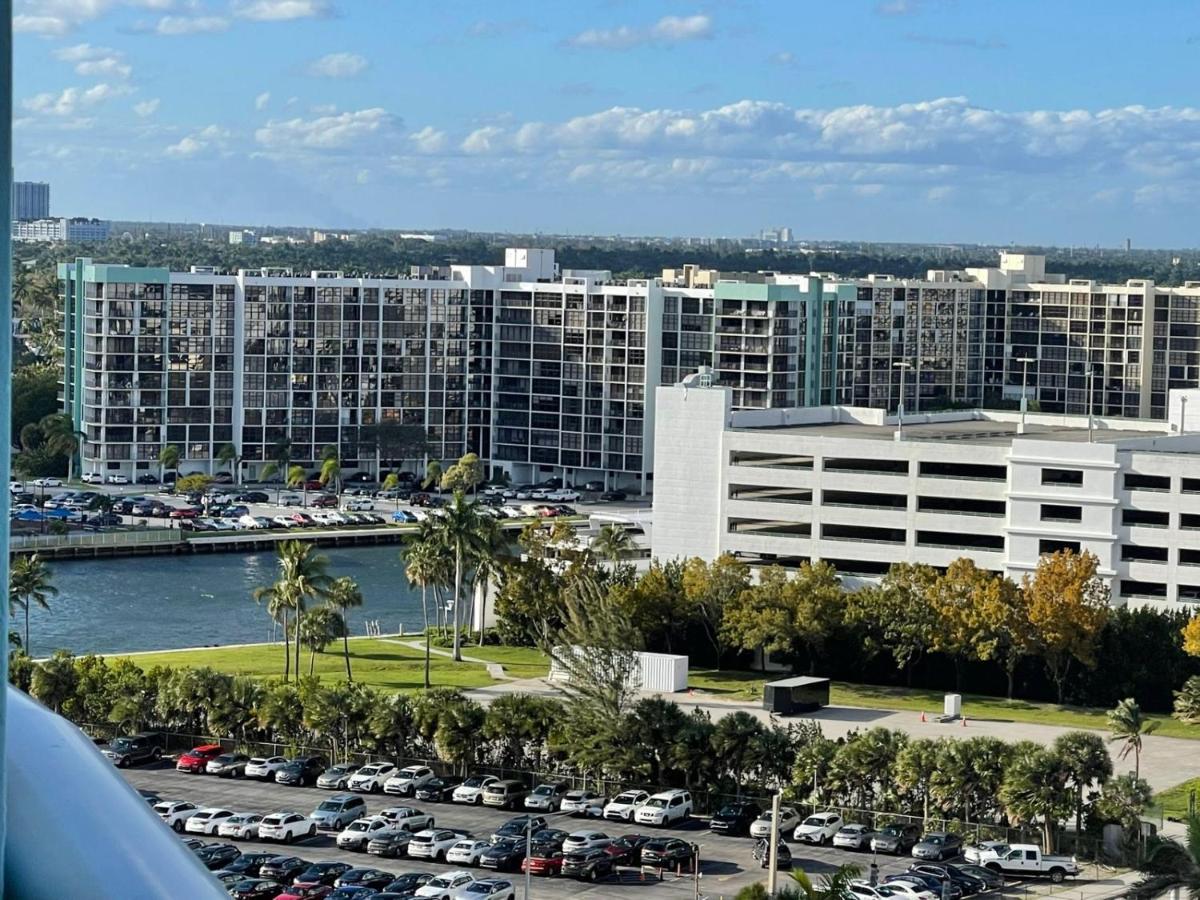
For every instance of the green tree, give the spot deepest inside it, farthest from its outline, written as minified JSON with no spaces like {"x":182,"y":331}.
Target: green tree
{"x":459,"y":735}
{"x":168,"y":460}
{"x":1123,"y":799}
{"x":1127,"y":724}
{"x":55,"y":680}
{"x":34,"y":395}
{"x":228,"y":456}
{"x":196,"y":483}
{"x":236,"y":715}
{"x":468,"y":536}
{"x":612,"y":543}
{"x":425,"y":567}
{"x":280,"y":462}
{"x":957,"y":598}
{"x":280,"y":600}
{"x":344,"y":595}
{"x":1035,"y":789}
{"x":1005,"y":634}
{"x":331,"y":468}
{"x":521,"y":725}
{"x":733,"y":743}
{"x":1087,"y":762}
{"x":320,"y":627}
{"x":915,"y":768}
{"x":61,"y":437}
{"x":897,"y":614}
{"x":833,"y":885}
{"x":1187,"y":701}
{"x":433,"y":474}
{"x":133,"y":696}
{"x":465,"y":475}
{"x":1170,"y":863}
{"x":967,"y":776}
{"x":1067,"y":605}
{"x":862,"y":767}
{"x":30,"y":583}
{"x":282,"y":712}
{"x":302,"y":576}
{"x":393,"y":727}
{"x":709,"y":589}
{"x":391,"y":483}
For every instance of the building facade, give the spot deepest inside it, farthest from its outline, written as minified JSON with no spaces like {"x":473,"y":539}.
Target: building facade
{"x":79,"y":230}
{"x":30,"y":200}
{"x":863,"y":490}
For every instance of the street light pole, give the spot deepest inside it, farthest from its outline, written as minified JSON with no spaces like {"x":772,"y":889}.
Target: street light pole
{"x":903,"y":365}
{"x":772,"y":849}
{"x":528,"y":850}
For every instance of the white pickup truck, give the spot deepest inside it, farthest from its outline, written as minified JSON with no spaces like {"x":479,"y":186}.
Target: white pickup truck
{"x":1029,"y":861}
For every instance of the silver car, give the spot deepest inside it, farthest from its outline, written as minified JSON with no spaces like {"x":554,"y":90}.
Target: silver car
{"x":938,"y":845}
{"x":853,"y":837}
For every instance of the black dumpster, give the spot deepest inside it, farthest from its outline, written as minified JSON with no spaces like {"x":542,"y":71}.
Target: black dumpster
{"x":795,"y":695}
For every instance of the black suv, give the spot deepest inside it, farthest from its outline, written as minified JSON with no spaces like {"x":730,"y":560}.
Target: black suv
{"x":440,"y":789}
{"x":129,"y":751}
{"x":735,"y":818}
{"x":302,"y":771}
{"x":590,"y":864}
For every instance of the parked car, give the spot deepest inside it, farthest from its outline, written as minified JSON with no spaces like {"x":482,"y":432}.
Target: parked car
{"x":47,"y":482}
{"x":408,"y":817}
{"x":130,"y":751}
{"x":504,"y":855}
{"x":218,"y":856}
{"x":358,"y":833}
{"x":546,"y":797}
{"x":506,"y":794}
{"x":613,"y":496}
{"x":990,"y":877}
{"x":91,"y":478}
{"x":907,"y":890}
{"x":543,"y":859}
{"x":196,"y":759}
{"x":360,"y":504}
{"x":228,"y":765}
{"x":440,"y":789}
{"x":283,"y":869}
{"x":404,"y":782}
{"x":254,"y":889}
{"x":489,"y":889}
{"x":1027,"y":860}
{"x":432,"y":843}
{"x":471,"y":790}
{"x":624,"y":805}
{"x":370,"y":779}
{"x":818,"y":828}
{"x":970,"y":884}
{"x":588,"y":865}
{"x":665,"y":808}
{"x":667,"y":853}
{"x":582,"y":803}
{"x":626,"y":850}
{"x":322,"y":873}
{"x":466,"y":852}
{"x":972,"y":852}
{"x":176,"y":812}
{"x":517,"y":827}
{"x":207,"y":821}
{"x":248,"y":863}
{"x":291,"y":500}
{"x":323,"y":501}
{"x":264,"y":767}
{"x":853,"y":837}
{"x":147,"y":478}
{"x":252,"y":497}
{"x":789,"y":818}
{"x":390,"y":842}
{"x":338,"y":811}
{"x":240,"y":826}
{"x":303,"y":770}
{"x":927,"y":883}
{"x":285,"y":826}
{"x":409,"y":882}
{"x":336,"y":778}
{"x":735,"y":818}
{"x":585,"y":840}
{"x":896,"y":837}
{"x":448,"y":886}
{"x":938,"y":845}
{"x":783,"y":853}
{"x":117,"y":479}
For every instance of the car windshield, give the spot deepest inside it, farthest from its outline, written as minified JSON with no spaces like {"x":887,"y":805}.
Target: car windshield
{"x":814,"y":820}
{"x":329,"y":806}
{"x":370,"y":770}
{"x":890,"y":830}
{"x":730,"y":811}
{"x":473,"y":781}
{"x":656,"y":803}
{"x":933,"y":839}
{"x":121,"y":743}
{"x":360,"y":825}
{"x":544,"y":790}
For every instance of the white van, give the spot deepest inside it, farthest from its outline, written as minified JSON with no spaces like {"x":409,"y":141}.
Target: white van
{"x":665,"y":808}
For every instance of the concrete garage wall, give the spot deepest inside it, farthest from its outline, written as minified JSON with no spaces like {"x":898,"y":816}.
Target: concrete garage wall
{"x":688,"y":457}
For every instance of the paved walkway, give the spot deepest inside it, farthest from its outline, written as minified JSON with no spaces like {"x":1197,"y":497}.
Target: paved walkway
{"x":494,"y":669}
{"x":1165,"y":761}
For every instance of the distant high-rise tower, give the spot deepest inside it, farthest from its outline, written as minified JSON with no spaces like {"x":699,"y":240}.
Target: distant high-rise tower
{"x":30,"y":200}
{"x":1128,"y":244}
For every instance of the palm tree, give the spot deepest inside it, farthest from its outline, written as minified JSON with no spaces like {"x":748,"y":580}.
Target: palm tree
{"x":29,"y":582}
{"x":61,"y":437}
{"x":1127,"y":724}
{"x":296,"y":476}
{"x":433,"y":474}
{"x":424,"y":567}
{"x":280,"y":603}
{"x":304,"y":571}
{"x":228,"y":456}
{"x":489,"y":561}
{"x":331,"y":468}
{"x":612,"y":543}
{"x":463,"y":533}
{"x":317,"y":629}
{"x":833,"y":886}
{"x":168,"y":458}
{"x":1171,"y":863}
{"x":344,"y":594}
{"x":281,"y":461}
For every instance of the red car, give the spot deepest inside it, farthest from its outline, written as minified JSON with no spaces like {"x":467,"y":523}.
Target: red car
{"x":185,"y":512}
{"x":305,"y":892}
{"x":323,"y":501}
{"x":550,"y":864}
{"x":313,"y":485}
{"x":197,"y":758}
{"x":626,"y":850}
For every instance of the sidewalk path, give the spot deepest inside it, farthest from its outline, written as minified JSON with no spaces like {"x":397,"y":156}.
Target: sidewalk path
{"x":1165,"y":761}
{"x":494,"y":669}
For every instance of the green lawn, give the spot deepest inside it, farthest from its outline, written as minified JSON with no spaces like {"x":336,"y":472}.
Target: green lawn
{"x":1174,"y":802}
{"x":375,"y":662}
{"x":744,"y":685}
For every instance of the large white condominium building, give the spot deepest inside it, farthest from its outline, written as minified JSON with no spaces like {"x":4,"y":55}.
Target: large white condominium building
{"x":862,"y":490}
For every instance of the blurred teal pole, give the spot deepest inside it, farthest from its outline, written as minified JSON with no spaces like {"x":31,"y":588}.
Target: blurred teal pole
{"x":6,"y":352}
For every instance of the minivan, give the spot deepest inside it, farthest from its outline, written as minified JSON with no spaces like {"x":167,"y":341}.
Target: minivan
{"x":338,"y":811}
{"x":506,"y":794}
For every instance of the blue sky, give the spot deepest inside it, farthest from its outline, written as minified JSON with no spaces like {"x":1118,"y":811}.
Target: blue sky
{"x":1060,"y":121}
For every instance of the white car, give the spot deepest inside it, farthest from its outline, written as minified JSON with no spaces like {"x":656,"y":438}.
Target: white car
{"x":432,"y":843}
{"x":408,"y":817}
{"x":358,"y":833}
{"x":973,"y":852}
{"x":546,"y":797}
{"x":665,"y":808}
{"x":818,"y":828}
{"x":291,"y":500}
{"x":248,"y":523}
{"x":360,"y":504}
{"x":862,"y":890}
{"x":788,"y":820}
{"x":117,"y":479}
{"x":370,"y":779}
{"x":585,"y":840}
{"x":490,"y":889}
{"x":283,"y":522}
{"x":176,"y":812}
{"x":265,"y":767}
{"x":853,"y":837}
{"x":286,"y":827}
{"x":906,"y":890}
{"x":406,"y":781}
{"x":450,"y":886}
{"x":623,"y":806}
{"x":466,"y":853}
{"x":89,"y":478}
{"x":47,"y":482}
{"x":471,"y":790}
{"x":207,"y":821}
{"x":565,"y":496}
{"x":240,"y":826}
{"x":582,"y":803}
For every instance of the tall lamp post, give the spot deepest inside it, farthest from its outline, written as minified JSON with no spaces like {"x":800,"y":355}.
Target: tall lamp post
{"x":903,"y":365}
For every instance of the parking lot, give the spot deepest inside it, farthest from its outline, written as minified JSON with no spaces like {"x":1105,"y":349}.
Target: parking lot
{"x":726,"y":862}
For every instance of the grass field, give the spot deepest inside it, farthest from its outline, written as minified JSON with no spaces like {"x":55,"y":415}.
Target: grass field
{"x":744,"y":685}
{"x":1174,"y":802}
{"x":378,"y":662}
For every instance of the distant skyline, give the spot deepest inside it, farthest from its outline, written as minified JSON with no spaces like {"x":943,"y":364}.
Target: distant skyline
{"x":896,"y":120}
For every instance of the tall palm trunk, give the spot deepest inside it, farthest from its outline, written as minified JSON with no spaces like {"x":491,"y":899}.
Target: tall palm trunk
{"x":458,"y":582}
{"x":27,"y":653}
{"x":346,"y":647}
{"x":312,"y":661}
{"x":287,"y":649}
{"x":425,"y":613}
{"x":482,"y":607}
{"x":298,"y":648}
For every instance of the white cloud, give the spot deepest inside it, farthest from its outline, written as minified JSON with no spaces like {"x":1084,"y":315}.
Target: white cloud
{"x":188,"y":146}
{"x":483,"y":140}
{"x":177,"y":25}
{"x":338,"y":65}
{"x":322,"y":133}
{"x":55,"y":18}
{"x":428,"y":140}
{"x":202,"y":140}
{"x":261,"y":101}
{"x":667,"y":30}
{"x":47,"y":26}
{"x":146,"y":107}
{"x":95,"y":62}
{"x":72,"y":100}
{"x":363,"y":176}
{"x":281,"y":10}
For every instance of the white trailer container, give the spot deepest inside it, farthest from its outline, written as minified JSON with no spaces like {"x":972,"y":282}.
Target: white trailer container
{"x":657,"y":672}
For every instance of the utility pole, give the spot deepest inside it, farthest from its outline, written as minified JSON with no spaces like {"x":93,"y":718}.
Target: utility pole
{"x":903,"y":365}
{"x":696,"y":869}
{"x":773,"y":847}
{"x":528,"y":850}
